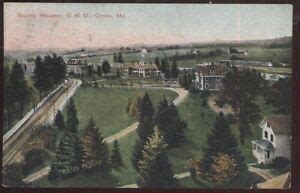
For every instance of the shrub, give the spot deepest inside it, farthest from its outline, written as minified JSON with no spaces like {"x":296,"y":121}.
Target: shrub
{"x":280,"y":162}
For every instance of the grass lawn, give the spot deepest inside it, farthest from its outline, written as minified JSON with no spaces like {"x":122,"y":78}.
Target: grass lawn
{"x":200,"y":121}
{"x":107,"y":106}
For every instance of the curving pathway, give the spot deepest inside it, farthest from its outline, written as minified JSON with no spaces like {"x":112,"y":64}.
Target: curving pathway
{"x":182,"y":94}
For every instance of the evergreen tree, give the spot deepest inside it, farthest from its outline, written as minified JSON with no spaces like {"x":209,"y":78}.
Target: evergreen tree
{"x":221,"y":141}
{"x":58,"y":69}
{"x":95,"y":152}
{"x":145,"y":128}
{"x":165,"y":68}
{"x":174,"y":69}
{"x":59,"y":121}
{"x":169,"y":123}
{"x":154,"y":167}
{"x":49,"y":74}
{"x":115,"y":59}
{"x":120,"y":58}
{"x":99,"y":71}
{"x":247,"y":85}
{"x":116,"y":158}
{"x":7,"y":98}
{"x":146,"y":108}
{"x":105,"y":67}
{"x":137,"y":153}
{"x":65,"y":163}
{"x":280,"y":96}
{"x":17,"y":88}
{"x":72,"y":120}
{"x":90,"y":70}
{"x":157,"y":62}
{"x":38,"y":75}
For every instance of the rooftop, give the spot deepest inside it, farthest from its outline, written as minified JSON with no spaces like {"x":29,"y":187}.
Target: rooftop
{"x":264,"y":144}
{"x":280,"y":124}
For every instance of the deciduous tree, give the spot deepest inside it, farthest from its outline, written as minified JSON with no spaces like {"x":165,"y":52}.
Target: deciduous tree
{"x":220,"y":141}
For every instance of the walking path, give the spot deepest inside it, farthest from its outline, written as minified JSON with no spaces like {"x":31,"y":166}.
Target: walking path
{"x":177,"y":176}
{"x":264,"y":173}
{"x":182,"y":94}
{"x":212,"y":104}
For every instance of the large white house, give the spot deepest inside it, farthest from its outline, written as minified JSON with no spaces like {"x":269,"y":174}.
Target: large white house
{"x":276,"y":139}
{"x":209,"y":76}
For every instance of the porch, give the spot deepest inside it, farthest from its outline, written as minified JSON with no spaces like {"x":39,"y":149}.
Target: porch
{"x":263,"y":150}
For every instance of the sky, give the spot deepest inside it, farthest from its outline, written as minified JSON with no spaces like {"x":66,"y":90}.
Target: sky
{"x":110,"y":25}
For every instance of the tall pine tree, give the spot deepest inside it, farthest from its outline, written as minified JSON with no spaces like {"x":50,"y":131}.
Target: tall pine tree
{"x":144,"y":130}
{"x":65,"y":163}
{"x":221,"y":141}
{"x":17,"y":88}
{"x":174,"y":69}
{"x":171,"y":126}
{"x":154,"y":167}
{"x":146,"y":108}
{"x":116,"y":158}
{"x":95,"y":152}
{"x":72,"y":120}
{"x":59,"y":121}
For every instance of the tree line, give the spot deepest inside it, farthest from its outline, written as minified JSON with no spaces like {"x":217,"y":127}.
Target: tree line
{"x":17,"y":93}
{"x":86,"y":153}
{"x":170,"y":70}
{"x":49,"y":72}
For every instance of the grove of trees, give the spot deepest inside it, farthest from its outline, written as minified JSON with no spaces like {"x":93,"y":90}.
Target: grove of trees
{"x":48,"y":73}
{"x":222,"y":148}
{"x":240,"y":88}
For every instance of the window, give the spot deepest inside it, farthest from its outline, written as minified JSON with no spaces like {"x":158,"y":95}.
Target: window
{"x":206,"y":85}
{"x":272,"y":138}
{"x":268,"y":124}
{"x":268,"y":154}
{"x":254,"y":146}
{"x":266,"y":134}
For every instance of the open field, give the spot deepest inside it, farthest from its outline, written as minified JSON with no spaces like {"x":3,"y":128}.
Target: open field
{"x":256,"y":53}
{"x":276,"y":70}
{"x":108,"y":106}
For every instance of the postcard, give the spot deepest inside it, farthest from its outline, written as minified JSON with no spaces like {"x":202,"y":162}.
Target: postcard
{"x":147,"y":95}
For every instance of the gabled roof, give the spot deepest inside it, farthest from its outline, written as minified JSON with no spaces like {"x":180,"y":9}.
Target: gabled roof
{"x":211,"y":69}
{"x":280,"y":124}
